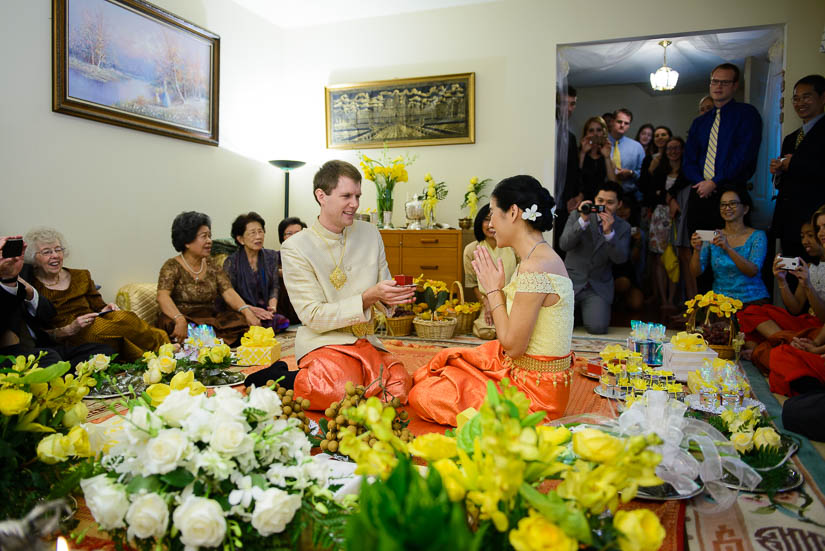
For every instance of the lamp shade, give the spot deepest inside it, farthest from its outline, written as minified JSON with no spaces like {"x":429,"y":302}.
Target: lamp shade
{"x":664,"y":78}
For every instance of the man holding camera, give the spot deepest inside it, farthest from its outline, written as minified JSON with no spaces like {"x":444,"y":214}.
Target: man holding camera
{"x":595,"y":241}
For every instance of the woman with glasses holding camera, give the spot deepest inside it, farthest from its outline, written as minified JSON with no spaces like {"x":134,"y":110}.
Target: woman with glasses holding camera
{"x":594,"y":161}
{"x":82,"y":314}
{"x":736,"y":252}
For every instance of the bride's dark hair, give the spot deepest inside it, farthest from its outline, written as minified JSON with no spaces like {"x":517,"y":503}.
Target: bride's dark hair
{"x":524,"y":192}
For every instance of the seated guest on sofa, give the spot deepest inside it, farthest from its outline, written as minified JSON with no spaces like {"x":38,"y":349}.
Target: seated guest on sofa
{"x":253,"y":270}
{"x":82,"y":316}
{"x":736,"y":252}
{"x":485,"y":237}
{"x":190,"y":283}
{"x":24,"y":316}
{"x":286,"y":229}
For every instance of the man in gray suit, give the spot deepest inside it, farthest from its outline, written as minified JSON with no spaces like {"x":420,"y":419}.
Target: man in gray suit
{"x":594,"y":241}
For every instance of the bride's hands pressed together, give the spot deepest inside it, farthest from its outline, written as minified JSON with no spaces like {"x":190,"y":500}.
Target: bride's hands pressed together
{"x":490,"y":273}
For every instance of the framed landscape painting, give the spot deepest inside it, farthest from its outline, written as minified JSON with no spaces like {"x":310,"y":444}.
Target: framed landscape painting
{"x":401,"y":113}
{"x":132,"y":64}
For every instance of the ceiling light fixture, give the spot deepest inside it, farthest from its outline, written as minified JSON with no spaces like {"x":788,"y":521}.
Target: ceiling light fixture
{"x":664,"y":78}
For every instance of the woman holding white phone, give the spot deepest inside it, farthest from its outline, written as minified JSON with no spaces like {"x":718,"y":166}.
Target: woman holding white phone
{"x":736,"y":252}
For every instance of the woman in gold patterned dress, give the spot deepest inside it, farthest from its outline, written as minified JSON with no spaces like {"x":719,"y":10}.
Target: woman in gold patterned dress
{"x":190,"y":284}
{"x":533,"y":316}
{"x":82,"y":314}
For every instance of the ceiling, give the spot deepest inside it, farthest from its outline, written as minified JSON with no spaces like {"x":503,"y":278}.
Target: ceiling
{"x":305,"y":13}
{"x":693,"y":65}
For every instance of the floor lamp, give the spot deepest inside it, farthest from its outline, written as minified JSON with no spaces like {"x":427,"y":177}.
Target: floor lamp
{"x":286,"y":166}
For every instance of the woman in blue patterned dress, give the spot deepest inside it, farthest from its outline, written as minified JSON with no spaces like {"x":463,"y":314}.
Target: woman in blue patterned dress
{"x":736,"y":253}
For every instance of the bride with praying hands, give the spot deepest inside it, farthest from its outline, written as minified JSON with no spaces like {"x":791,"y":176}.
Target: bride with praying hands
{"x":533,"y":317}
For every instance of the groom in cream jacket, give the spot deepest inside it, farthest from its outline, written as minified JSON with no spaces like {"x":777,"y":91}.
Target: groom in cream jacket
{"x":335,"y":272}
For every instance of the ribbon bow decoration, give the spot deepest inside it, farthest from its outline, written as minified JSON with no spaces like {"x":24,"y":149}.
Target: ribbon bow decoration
{"x":259,"y":337}
{"x":689,"y":342}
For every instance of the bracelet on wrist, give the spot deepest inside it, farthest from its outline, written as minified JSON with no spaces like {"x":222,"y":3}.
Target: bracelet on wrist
{"x":176,"y":316}
{"x":242,"y":308}
{"x":496,"y":306}
{"x":492,"y":291}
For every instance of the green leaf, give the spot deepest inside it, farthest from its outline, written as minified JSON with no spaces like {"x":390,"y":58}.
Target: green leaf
{"x":533,"y":419}
{"x":324,"y":424}
{"x":468,"y":433}
{"x":766,"y":510}
{"x":148,"y":483}
{"x":492,"y":394}
{"x":572,"y":521}
{"x":258,"y":480}
{"x":511,"y":409}
{"x":46,"y":374}
{"x":179,"y":478}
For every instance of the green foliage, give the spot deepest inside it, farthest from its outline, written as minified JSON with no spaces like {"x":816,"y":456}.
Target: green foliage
{"x":563,"y":513}
{"x":409,"y":512}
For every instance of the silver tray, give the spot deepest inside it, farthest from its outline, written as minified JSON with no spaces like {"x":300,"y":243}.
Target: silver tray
{"x":794,"y":481}
{"x":611,"y":394}
{"x":665,"y":492}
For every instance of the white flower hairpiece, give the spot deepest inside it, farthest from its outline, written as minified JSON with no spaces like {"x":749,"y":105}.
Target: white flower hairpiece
{"x":531,"y":213}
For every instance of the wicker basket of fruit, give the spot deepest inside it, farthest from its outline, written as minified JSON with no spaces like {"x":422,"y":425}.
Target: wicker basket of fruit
{"x":713,"y":316}
{"x":465,"y":312}
{"x":434,"y":320}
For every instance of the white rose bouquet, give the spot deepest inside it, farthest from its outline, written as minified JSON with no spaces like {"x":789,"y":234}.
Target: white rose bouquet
{"x":197,"y":471}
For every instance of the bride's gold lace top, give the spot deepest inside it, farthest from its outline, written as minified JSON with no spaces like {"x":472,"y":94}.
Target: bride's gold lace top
{"x":554,"y":326}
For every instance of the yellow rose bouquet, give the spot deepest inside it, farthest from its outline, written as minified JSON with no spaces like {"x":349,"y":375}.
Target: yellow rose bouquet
{"x":712,"y":315}
{"x":41,"y":419}
{"x":759,"y":444}
{"x":475,"y":191}
{"x":385,"y":173}
{"x":480,"y":488}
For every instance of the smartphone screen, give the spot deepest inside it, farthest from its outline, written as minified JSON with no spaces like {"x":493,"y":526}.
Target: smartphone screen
{"x":13,"y":248}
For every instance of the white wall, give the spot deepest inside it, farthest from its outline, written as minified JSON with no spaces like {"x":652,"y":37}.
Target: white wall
{"x":676,"y":111}
{"x":115,"y":191}
{"x":112,"y":191}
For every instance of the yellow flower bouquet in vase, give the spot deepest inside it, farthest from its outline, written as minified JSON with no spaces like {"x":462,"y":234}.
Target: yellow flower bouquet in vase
{"x":712,"y":315}
{"x":475,"y":191}
{"x":385,"y":173}
{"x":433,"y":193}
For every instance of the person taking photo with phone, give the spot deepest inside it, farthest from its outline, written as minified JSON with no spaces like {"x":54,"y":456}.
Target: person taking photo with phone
{"x":736,"y":252}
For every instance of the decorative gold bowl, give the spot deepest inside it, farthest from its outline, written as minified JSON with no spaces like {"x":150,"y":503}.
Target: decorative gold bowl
{"x":465,"y":223}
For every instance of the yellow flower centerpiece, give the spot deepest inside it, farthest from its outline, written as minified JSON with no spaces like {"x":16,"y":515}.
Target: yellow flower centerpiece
{"x":41,"y":423}
{"x":712,"y":315}
{"x":385,"y":173}
{"x":436,"y":318}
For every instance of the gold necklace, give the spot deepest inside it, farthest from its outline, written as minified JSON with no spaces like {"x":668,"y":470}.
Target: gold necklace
{"x":56,"y":283}
{"x":337,"y":276}
{"x":195,"y":274}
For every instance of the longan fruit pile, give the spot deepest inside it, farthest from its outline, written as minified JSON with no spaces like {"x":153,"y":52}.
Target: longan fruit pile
{"x":292,"y":406}
{"x":338,"y":425}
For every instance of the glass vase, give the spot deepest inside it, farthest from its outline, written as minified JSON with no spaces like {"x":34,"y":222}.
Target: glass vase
{"x":385,"y":202}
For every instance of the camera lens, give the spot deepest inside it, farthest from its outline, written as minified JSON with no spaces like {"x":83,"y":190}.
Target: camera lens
{"x":585,"y":208}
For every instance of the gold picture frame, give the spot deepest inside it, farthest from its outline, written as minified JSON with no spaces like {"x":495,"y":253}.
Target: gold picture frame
{"x":169,"y":85}
{"x":438,"y":110}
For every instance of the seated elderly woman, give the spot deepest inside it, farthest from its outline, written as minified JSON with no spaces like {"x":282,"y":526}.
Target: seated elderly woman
{"x":82,"y":314}
{"x":190,"y":283}
{"x":253,"y":270}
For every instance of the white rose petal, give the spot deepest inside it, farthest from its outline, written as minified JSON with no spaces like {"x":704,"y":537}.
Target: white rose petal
{"x":231,"y":438}
{"x":99,"y":362}
{"x":266,"y":400}
{"x":148,"y":517}
{"x":179,"y":405}
{"x":200,"y":521}
{"x":198,"y":426}
{"x":164,"y":452}
{"x":214,"y":464}
{"x":227,"y":402}
{"x":106,"y":500}
{"x":274,"y":509}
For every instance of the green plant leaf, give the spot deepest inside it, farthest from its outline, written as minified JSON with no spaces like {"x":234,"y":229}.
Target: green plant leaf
{"x":46,"y":374}
{"x":149,"y":483}
{"x":468,"y":433}
{"x":179,"y":478}
{"x":572,"y":521}
{"x":533,"y":419}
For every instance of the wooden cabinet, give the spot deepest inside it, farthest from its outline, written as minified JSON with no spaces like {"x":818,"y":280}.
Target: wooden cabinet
{"x":435,"y":253}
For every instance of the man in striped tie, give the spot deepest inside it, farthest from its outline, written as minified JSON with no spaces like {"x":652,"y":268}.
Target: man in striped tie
{"x":721,"y":149}
{"x":800,"y":169}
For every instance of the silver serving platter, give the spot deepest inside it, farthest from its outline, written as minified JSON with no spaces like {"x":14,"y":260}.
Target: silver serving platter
{"x":612,"y":394}
{"x":794,"y":481}
{"x":665,"y":492}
